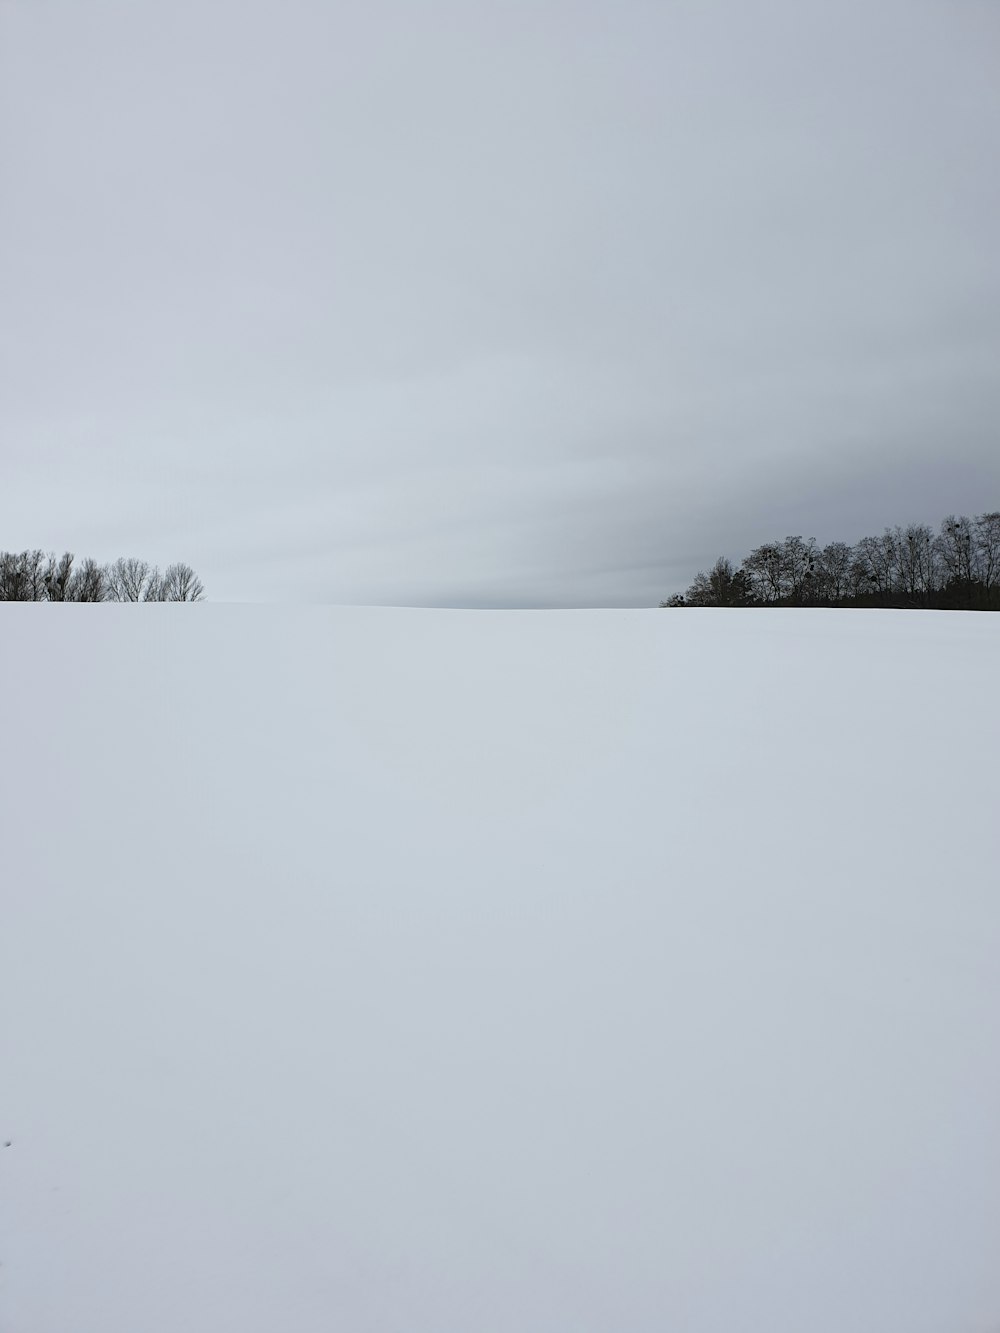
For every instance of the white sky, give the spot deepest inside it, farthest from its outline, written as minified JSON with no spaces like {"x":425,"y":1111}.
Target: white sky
{"x":454,"y":303}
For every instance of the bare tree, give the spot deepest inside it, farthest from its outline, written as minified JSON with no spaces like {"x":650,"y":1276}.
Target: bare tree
{"x":22,"y":576}
{"x":918,"y":563}
{"x":30,"y":576}
{"x":798,"y":568}
{"x":35,"y":568}
{"x":781,"y":572}
{"x":763,"y":568}
{"x":959,"y":567}
{"x":181,"y":584}
{"x":721,"y":586}
{"x":730,"y":587}
{"x":858,"y":580}
{"x":11,"y":577}
{"x":833,"y":567}
{"x":58,"y":576}
{"x":132,"y":580}
{"x":956,"y":548}
{"x":878,"y":557}
{"x":88,"y":583}
{"x":700,"y":591}
{"x":986,"y":535}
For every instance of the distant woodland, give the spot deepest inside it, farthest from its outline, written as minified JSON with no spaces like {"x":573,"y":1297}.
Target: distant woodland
{"x":33,"y":576}
{"x":955,"y":569}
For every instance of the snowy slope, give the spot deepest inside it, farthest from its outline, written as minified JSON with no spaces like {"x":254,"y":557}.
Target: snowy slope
{"x":474,"y":972}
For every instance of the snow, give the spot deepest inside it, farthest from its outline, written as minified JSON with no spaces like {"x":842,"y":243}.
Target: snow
{"x":377,"y":969}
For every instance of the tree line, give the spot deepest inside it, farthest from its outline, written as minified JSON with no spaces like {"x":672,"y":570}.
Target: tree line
{"x":33,"y":576}
{"x":956,"y":568}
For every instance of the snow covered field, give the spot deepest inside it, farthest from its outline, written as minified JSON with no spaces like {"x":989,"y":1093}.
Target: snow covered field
{"x":499,"y":972}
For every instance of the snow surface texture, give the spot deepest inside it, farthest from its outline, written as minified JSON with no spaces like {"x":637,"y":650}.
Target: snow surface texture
{"x":474,"y":972}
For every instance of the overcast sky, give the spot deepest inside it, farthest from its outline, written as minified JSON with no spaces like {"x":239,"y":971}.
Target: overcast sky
{"x":532,"y":302}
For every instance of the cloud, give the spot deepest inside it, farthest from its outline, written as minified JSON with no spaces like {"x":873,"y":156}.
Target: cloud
{"x":539,"y":304}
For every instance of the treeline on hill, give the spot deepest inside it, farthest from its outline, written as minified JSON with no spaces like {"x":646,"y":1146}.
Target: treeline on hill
{"x":33,"y":576}
{"x":958,"y":568}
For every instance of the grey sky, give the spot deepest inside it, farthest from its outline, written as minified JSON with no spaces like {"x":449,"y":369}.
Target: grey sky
{"x":533,"y":303}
